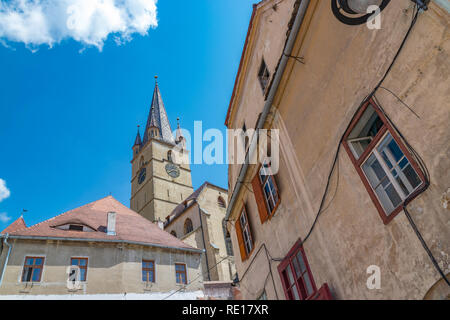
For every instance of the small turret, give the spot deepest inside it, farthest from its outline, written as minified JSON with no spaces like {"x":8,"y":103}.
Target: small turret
{"x":137,"y":143}
{"x":180,"y":140}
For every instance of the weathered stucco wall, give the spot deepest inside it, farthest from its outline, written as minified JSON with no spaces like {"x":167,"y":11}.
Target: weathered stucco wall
{"x":315,"y":103}
{"x":265,"y":42}
{"x":212,"y":215}
{"x":111,"y":268}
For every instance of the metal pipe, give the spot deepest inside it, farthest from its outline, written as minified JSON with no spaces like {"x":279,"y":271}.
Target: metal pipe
{"x":273,"y":89}
{"x":204,"y":242}
{"x":5,"y":241}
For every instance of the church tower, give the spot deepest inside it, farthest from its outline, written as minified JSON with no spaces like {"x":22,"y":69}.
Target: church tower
{"x":158,"y":183}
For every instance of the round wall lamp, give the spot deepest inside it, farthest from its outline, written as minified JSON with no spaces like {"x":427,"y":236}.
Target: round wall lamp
{"x":354,"y":12}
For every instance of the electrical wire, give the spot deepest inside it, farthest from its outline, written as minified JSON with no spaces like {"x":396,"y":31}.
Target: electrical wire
{"x":336,"y":157}
{"x":411,"y":197}
{"x":192,"y":281}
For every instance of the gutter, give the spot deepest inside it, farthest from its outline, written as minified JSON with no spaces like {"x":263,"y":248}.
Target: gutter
{"x":5,"y":240}
{"x":203,"y":237}
{"x":268,"y":104}
{"x":193,"y":250}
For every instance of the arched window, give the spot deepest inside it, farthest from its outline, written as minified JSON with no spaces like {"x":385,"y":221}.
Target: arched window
{"x":188,"y":227}
{"x":169,"y":156}
{"x":221,"y":202}
{"x":141,"y":162}
{"x":173,"y":233}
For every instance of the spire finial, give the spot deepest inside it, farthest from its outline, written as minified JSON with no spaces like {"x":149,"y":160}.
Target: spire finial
{"x":178,"y":122}
{"x":156,"y":79}
{"x":23,"y":211}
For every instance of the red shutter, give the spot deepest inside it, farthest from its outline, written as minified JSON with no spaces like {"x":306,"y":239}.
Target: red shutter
{"x":322,"y":294}
{"x":240,"y":238}
{"x":260,"y":200}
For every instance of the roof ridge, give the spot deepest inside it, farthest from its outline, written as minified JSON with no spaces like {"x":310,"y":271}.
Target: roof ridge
{"x":67,"y":212}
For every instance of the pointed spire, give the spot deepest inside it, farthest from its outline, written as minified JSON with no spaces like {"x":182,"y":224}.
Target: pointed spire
{"x":138,"y":140}
{"x":180,"y":140}
{"x":157,"y":118}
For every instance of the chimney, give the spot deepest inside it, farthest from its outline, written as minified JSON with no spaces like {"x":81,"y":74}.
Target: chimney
{"x":111,"y":228}
{"x":160,"y":223}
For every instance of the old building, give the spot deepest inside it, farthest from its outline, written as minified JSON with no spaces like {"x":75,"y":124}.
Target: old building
{"x":355,"y":206}
{"x":107,"y":247}
{"x":199,"y":221}
{"x":158,"y":183}
{"x":161,"y":191}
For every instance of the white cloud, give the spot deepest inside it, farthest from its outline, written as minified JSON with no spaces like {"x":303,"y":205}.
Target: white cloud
{"x":4,"y":218}
{"x":47,"y":22}
{"x":4,"y":191}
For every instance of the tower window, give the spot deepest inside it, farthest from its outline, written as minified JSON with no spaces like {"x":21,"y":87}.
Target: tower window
{"x":173,"y":233}
{"x":263,"y":76}
{"x":169,"y":156}
{"x":221,"y":202}
{"x":188,"y":227}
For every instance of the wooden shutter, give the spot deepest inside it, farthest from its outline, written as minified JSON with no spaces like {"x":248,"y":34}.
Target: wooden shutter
{"x":260,"y":199}
{"x":240,"y":237}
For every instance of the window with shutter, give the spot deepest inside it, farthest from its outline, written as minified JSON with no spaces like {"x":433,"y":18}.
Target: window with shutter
{"x":266,"y":192}
{"x":296,"y":276}
{"x":244,"y":235}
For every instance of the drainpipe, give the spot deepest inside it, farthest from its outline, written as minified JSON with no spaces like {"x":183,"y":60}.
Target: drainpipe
{"x":204,"y":242}
{"x":5,"y":241}
{"x":268,"y":104}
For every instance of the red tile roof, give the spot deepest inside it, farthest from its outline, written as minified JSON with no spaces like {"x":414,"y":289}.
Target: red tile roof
{"x":16,"y":225}
{"x":187,"y":203}
{"x":130,"y":226}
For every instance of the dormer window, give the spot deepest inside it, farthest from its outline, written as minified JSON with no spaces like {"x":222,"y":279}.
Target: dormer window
{"x":74,"y":227}
{"x":263,"y":76}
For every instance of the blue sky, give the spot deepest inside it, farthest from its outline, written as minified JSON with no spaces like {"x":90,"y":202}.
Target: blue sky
{"x":68,"y":116}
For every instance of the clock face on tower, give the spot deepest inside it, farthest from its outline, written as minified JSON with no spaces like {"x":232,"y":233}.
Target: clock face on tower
{"x":172,"y":170}
{"x":142,"y":175}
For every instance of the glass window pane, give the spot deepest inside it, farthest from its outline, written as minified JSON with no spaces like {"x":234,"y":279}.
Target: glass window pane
{"x":412,"y":176}
{"x":82,"y":274}
{"x":83,"y":262}
{"x":295,"y":292}
{"x":301,"y":261}
{"x":29,"y":261}
{"x":151,"y":276}
{"x":402,"y":185}
{"x":38,"y":261}
{"x":26,"y":275}
{"x":144,"y":275}
{"x":297,"y":270}
{"x":395,"y":149}
{"x":290,"y":276}
{"x":309,"y":287}
{"x":36,"y":275}
{"x":365,"y":130}
{"x":74,"y":262}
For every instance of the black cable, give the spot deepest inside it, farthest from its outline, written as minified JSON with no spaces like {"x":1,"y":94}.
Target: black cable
{"x":413,"y":22}
{"x":412,"y":196}
{"x":191,"y":282}
{"x":398,"y":98}
{"x":298,"y":59}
